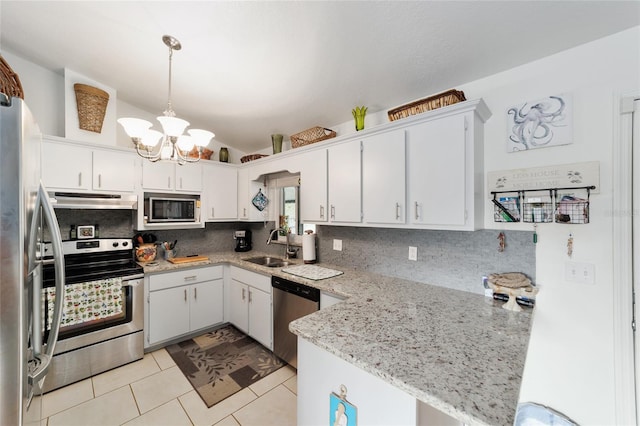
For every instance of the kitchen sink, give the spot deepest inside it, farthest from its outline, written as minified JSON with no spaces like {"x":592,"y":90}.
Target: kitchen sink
{"x":271,"y":262}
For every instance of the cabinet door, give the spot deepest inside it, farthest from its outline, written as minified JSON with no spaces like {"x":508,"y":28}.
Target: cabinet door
{"x":158,"y":175}
{"x":65,"y":166}
{"x":189,"y":177}
{"x":243,"y":193}
{"x":345,"y":182}
{"x":313,"y":186}
{"x":437,"y":175}
{"x":260,"y":322}
{"x":383,"y":178}
{"x":238,"y":305}
{"x":114,"y":171}
{"x":168,"y":313}
{"x":220,"y":196}
{"x":206,"y":304}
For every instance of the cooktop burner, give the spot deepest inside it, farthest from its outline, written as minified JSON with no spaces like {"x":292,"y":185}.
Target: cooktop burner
{"x":90,"y":260}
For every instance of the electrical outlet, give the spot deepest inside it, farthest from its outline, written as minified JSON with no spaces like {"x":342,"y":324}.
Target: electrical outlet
{"x":583,"y":273}
{"x":337,"y":245}
{"x":413,"y":253}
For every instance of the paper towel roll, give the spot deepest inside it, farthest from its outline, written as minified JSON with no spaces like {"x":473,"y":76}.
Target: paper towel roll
{"x":309,"y":248}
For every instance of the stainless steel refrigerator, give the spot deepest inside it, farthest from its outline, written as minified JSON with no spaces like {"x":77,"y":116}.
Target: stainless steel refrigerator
{"x":25,"y":212}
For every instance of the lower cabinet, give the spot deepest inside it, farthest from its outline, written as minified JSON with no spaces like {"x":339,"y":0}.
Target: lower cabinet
{"x":250,"y":305}
{"x":183,"y":301}
{"x":378,"y":403}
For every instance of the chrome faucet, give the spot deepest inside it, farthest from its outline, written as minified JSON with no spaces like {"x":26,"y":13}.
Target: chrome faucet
{"x":287,"y":251}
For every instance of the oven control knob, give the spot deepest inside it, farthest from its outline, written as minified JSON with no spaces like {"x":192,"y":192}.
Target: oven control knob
{"x":115,"y":244}
{"x":125,"y":243}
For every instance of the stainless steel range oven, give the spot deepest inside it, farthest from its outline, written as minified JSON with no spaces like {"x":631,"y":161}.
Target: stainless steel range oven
{"x":102,"y":323}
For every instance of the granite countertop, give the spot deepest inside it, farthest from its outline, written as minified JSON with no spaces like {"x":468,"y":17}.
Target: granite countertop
{"x":456,"y":351}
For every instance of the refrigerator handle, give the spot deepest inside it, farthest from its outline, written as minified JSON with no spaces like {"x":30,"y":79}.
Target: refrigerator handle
{"x":42,"y":200}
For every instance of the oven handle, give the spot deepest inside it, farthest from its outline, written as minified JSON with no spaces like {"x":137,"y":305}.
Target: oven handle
{"x":131,"y":280}
{"x":43,"y":205}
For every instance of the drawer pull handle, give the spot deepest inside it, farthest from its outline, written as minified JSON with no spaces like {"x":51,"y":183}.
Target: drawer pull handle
{"x":185,"y":294}
{"x":190,"y":278}
{"x":195,"y":293}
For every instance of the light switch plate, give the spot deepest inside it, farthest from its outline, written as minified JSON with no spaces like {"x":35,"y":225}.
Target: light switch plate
{"x":337,"y":245}
{"x":413,"y":253}
{"x":583,"y":273}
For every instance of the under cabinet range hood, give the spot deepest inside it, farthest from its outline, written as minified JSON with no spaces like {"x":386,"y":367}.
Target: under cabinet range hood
{"x":75,"y":200}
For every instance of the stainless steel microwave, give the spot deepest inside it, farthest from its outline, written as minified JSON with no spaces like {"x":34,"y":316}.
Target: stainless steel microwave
{"x":169,"y":209}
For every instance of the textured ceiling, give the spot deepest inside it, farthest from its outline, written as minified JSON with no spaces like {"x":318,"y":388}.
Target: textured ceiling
{"x":249,"y":69}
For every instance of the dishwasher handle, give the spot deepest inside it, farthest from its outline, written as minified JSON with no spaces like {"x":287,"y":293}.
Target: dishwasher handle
{"x":295,"y":288}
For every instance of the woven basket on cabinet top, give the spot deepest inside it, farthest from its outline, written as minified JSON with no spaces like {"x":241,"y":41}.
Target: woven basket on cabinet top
{"x":9,"y":81}
{"x":440,"y":100}
{"x":312,"y":135}
{"x":92,"y":106}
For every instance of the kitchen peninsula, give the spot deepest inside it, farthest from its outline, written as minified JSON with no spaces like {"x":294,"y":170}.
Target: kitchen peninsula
{"x":457,"y":352}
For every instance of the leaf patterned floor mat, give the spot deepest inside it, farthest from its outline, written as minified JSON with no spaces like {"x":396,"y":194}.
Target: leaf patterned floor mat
{"x":223,"y":362}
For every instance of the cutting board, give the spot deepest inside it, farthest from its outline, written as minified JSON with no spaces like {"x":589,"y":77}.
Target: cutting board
{"x":188,"y":259}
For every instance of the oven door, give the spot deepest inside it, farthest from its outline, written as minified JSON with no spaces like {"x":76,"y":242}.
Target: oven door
{"x":97,"y":311}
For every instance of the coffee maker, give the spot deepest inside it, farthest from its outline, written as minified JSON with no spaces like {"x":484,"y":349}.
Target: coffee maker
{"x":243,"y":240}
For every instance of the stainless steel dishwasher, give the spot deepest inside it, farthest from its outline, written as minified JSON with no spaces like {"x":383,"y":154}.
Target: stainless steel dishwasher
{"x":290,"y":302}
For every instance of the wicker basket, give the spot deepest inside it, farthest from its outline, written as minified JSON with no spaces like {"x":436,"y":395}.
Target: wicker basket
{"x":437,"y":101}
{"x":9,"y":81}
{"x":92,"y":106}
{"x":252,"y":157}
{"x":312,"y":135}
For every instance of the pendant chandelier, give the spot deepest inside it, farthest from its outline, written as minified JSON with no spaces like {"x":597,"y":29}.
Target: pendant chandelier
{"x":172,"y":144}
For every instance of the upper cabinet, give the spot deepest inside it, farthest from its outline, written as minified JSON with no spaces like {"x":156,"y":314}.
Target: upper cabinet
{"x":247,"y":190}
{"x":445,"y":169}
{"x":313,"y":184}
{"x":220,"y":192}
{"x":383,"y":178}
{"x":166,"y":176}
{"x":73,"y":167}
{"x":344,"y":181}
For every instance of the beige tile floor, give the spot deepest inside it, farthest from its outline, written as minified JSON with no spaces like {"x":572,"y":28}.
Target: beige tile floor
{"x":154,"y":392}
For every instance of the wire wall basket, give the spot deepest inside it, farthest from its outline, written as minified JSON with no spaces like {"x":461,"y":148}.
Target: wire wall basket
{"x":565,"y":208}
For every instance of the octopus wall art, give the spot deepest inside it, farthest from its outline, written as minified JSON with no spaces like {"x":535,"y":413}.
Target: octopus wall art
{"x":540,"y":123}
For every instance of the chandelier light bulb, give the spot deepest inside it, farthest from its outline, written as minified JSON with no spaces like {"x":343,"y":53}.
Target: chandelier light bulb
{"x":185,"y":143}
{"x":151,"y":138}
{"x":201,"y":138}
{"x":135,"y":127}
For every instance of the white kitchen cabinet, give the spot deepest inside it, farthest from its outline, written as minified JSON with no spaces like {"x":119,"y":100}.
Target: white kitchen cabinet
{"x":344,"y":180}
{"x":220,"y":192}
{"x":66,"y":166}
{"x":250,"y":305}
{"x":383,"y":178}
{"x":313,"y":186}
{"x":75,"y":167}
{"x":183,"y":301}
{"x":114,"y":171}
{"x":189,"y":177}
{"x":247,"y":189}
{"x":168,"y":176}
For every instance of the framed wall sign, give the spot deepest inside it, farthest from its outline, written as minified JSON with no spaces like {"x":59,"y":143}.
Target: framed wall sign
{"x":341,"y":411}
